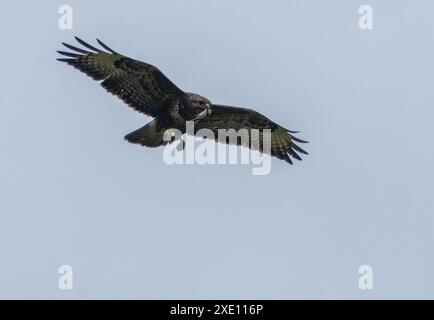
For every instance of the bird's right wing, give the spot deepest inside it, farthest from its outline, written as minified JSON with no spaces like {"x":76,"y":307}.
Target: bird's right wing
{"x":282,"y":143}
{"x":140,"y":85}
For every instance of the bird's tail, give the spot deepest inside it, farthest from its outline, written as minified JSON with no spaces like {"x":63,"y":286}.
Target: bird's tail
{"x":151,"y":135}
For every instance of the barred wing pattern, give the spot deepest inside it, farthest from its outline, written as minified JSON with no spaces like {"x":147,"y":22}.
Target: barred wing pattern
{"x":140,"y":85}
{"x":282,"y":140}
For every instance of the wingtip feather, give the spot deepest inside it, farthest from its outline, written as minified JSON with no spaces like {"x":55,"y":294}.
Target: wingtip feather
{"x":102,"y":44}
{"x":66,"y":60}
{"x":87,"y":45}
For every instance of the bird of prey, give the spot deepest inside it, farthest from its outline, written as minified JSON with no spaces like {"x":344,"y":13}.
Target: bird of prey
{"x":147,"y":90}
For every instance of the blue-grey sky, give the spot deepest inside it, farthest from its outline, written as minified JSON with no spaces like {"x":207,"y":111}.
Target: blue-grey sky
{"x":74,"y":192}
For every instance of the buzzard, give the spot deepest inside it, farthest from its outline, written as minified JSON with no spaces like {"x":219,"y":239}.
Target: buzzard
{"x":147,"y":90}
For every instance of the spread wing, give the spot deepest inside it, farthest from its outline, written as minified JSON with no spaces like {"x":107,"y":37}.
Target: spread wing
{"x":283,"y":144}
{"x":140,"y":85}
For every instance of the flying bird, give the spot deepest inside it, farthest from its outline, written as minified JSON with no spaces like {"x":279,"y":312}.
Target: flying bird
{"x":146,"y":89}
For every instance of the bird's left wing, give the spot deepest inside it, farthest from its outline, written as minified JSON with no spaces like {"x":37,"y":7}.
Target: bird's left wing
{"x":140,"y":85}
{"x":283,"y":144}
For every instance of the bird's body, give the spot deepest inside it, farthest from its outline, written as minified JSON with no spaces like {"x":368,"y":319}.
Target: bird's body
{"x":147,"y":90}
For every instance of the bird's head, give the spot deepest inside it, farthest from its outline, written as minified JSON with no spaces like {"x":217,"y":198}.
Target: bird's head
{"x":200,"y":105}
{"x":198,"y":101}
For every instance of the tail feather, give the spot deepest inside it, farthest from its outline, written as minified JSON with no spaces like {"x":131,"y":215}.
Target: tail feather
{"x":150,"y":135}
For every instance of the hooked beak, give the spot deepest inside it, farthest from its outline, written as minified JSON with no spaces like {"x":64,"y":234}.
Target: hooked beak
{"x":205,"y":113}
